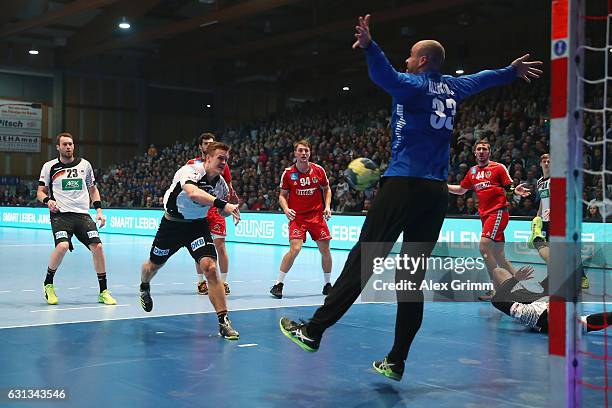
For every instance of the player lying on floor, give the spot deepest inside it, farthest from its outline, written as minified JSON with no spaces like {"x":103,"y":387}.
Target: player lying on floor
{"x":531,"y":308}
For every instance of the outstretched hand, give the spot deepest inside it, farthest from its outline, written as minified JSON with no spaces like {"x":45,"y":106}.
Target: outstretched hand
{"x":522,"y":190}
{"x":363,"y":33}
{"x":524,"y":273}
{"x":527,"y":69}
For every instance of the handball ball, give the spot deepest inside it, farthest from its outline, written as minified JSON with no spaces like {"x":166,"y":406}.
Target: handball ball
{"x":362,"y":174}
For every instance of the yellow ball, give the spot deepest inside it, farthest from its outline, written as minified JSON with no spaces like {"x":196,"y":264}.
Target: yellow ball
{"x":362,"y":174}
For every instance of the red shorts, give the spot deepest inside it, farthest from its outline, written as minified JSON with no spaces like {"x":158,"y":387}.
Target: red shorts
{"x":217,"y":223}
{"x":315,"y":225}
{"x":494,"y":224}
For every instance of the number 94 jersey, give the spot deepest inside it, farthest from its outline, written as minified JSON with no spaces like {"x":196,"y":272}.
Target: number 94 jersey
{"x":305,"y":194}
{"x":68,"y":184}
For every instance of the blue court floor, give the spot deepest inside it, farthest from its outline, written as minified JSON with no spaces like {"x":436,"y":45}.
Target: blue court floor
{"x":466,"y":354}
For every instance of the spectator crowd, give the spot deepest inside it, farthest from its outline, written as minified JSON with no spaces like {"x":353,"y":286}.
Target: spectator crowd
{"x":513,"y":119}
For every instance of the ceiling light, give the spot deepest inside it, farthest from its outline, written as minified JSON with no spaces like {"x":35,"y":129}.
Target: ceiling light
{"x":33,"y":51}
{"x":124,"y":24}
{"x":346,"y":88}
{"x":459,"y":72}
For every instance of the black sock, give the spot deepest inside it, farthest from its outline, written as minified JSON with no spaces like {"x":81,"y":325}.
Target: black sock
{"x":221,"y":316}
{"x":598,"y":321}
{"x":102,"y":281}
{"x":145,"y":286}
{"x":49,"y":277}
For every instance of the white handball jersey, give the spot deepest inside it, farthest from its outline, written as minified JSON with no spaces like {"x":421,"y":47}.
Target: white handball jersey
{"x":176,"y":201}
{"x":68,"y":184}
{"x":544,"y":192}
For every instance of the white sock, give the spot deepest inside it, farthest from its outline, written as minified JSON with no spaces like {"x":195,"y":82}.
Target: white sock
{"x":281,"y":277}
{"x":224,"y":276}
{"x":327,"y":277}
{"x":200,"y":277}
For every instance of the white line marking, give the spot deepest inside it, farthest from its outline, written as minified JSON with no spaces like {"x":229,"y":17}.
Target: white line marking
{"x":237,"y":281}
{"x":74,"y":288}
{"x":248,"y":345}
{"x":5,"y":291}
{"x":159,"y":332}
{"x":74,"y":308}
{"x":177,"y":283}
{"x":501,"y":401}
{"x":160,"y":315}
{"x":118,"y":362}
{"x":93,"y":287}
{"x":29,"y":290}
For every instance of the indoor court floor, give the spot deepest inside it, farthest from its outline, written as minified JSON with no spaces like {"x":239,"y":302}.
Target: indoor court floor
{"x":466,"y":354}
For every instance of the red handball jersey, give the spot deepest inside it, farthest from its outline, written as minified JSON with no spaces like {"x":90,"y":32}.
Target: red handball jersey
{"x":305,"y":195}
{"x":488,"y":182}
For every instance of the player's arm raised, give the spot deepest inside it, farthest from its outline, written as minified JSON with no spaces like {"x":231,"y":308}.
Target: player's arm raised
{"x":284,"y":204}
{"x":380,"y":69}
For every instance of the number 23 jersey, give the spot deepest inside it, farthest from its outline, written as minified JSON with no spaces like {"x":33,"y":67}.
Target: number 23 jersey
{"x":68,"y":184}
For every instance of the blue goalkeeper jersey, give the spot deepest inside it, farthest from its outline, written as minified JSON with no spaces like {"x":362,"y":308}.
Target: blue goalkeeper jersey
{"x":424,"y":108}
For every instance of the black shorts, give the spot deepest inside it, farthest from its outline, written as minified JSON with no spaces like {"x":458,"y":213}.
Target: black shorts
{"x":173,"y":235}
{"x":65,"y":225}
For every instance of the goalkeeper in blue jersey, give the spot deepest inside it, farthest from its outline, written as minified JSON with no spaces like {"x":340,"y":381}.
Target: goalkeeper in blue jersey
{"x":413,"y":195}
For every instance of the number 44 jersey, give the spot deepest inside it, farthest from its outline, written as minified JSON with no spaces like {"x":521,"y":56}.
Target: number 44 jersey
{"x":68,"y":184}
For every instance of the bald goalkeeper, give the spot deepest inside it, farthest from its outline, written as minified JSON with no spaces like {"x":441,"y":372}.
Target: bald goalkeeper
{"x":413,"y":194}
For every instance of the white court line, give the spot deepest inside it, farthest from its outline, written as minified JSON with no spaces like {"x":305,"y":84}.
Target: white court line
{"x":74,"y":308}
{"x":5,"y":291}
{"x":248,"y":345}
{"x":74,"y":288}
{"x":471,"y":394}
{"x":177,"y":283}
{"x":161,"y":315}
{"x":51,"y":244}
{"x":28,"y":290}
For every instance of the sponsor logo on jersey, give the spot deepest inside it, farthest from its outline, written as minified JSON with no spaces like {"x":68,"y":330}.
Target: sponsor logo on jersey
{"x":61,"y":234}
{"x":473,"y":170}
{"x":488,"y":173}
{"x":198,"y":243}
{"x":160,"y":252}
{"x":305,"y":191}
{"x":92,"y":234}
{"x":72,"y":184}
{"x":482,"y":186}
{"x":545,"y":193}
{"x":315,"y":179}
{"x":294,"y":176}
